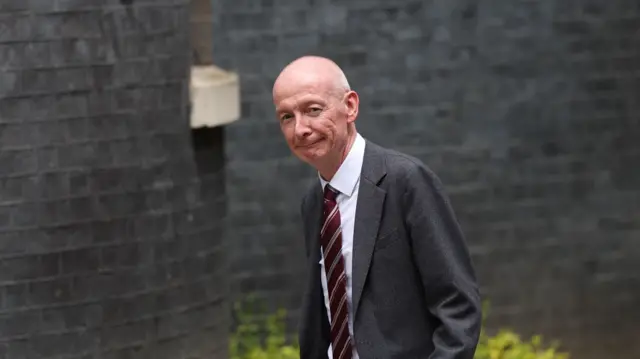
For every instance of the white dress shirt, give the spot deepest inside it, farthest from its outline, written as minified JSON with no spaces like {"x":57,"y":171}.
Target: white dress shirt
{"x":346,"y":181}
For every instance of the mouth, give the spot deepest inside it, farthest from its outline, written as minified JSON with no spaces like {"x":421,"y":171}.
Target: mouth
{"x":308,"y":145}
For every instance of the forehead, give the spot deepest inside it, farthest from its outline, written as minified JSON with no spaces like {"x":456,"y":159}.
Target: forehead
{"x":299,"y":86}
{"x":299,"y":100}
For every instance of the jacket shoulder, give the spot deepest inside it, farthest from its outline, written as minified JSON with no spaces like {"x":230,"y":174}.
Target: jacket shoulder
{"x":308,"y":193}
{"x":401,"y":165}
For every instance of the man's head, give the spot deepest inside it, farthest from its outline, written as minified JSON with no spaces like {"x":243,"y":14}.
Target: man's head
{"x":316,"y":109}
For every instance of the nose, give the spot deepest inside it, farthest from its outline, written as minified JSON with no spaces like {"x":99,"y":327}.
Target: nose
{"x":302,"y":129}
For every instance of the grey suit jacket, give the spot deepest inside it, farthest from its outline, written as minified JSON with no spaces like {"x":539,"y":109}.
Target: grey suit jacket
{"x":414,"y":288}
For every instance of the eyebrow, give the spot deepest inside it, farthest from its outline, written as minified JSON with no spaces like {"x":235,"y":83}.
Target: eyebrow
{"x":303,"y":103}
{"x":307,"y":102}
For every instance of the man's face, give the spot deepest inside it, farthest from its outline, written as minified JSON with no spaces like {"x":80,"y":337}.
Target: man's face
{"x":313,"y":118}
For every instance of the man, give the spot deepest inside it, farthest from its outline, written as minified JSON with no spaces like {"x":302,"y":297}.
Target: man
{"x":390,"y":275}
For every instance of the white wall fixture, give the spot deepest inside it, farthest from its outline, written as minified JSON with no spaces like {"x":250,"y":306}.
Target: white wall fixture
{"x":215,"y":96}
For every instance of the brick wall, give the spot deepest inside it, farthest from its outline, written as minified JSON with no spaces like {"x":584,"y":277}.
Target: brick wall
{"x":110,"y":223}
{"x":529,"y":112}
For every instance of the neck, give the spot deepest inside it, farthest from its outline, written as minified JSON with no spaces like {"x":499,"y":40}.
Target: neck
{"x":328,"y":170}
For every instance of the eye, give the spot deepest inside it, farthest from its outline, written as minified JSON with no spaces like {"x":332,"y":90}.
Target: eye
{"x":314,"y":111}
{"x":285,"y":117}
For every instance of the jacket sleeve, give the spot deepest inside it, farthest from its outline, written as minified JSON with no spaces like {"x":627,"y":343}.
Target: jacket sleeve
{"x":302,"y":220}
{"x":443,"y":261}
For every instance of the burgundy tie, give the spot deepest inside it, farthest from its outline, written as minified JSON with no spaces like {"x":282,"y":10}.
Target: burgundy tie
{"x":331,"y":240}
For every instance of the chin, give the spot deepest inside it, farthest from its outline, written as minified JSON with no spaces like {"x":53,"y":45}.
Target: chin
{"x":311,"y":154}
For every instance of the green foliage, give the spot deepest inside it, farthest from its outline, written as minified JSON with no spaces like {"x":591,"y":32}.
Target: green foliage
{"x":265,"y":338}
{"x":258,"y":337}
{"x":508,"y":345}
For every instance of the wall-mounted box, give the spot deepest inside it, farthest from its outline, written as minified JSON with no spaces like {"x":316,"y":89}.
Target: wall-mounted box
{"x":215,"y":96}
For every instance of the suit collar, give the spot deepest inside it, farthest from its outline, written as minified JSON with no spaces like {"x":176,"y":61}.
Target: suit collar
{"x":373,"y":164}
{"x":368,"y":215}
{"x":347,"y":176}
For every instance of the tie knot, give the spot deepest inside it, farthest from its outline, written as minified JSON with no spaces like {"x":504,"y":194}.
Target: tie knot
{"x":330,"y":193}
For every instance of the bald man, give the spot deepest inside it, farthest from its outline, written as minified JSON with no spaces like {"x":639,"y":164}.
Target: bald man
{"x":389,"y":272}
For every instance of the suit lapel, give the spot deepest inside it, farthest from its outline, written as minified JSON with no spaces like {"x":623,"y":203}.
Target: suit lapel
{"x":315,"y":338}
{"x":312,"y":226}
{"x":368,"y":214}
{"x":313,"y":222}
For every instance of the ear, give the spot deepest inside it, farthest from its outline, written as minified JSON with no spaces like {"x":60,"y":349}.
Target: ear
{"x":352,"y":101}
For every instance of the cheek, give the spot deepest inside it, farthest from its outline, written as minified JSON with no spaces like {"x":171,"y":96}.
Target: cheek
{"x":326,"y":127}
{"x":288,"y":134}
{"x":287,"y":130}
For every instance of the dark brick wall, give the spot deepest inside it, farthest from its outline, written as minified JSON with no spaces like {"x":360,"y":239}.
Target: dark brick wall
{"x":529,"y":112}
{"x":110,"y":223}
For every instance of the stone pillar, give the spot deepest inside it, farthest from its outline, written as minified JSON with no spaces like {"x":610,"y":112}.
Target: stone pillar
{"x":201,"y":32}
{"x":110,"y":241}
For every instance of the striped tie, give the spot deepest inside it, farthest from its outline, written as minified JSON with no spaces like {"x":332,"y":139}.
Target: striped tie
{"x":331,"y":240}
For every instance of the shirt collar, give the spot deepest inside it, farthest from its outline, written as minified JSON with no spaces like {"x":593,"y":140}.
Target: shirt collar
{"x":347,"y":176}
